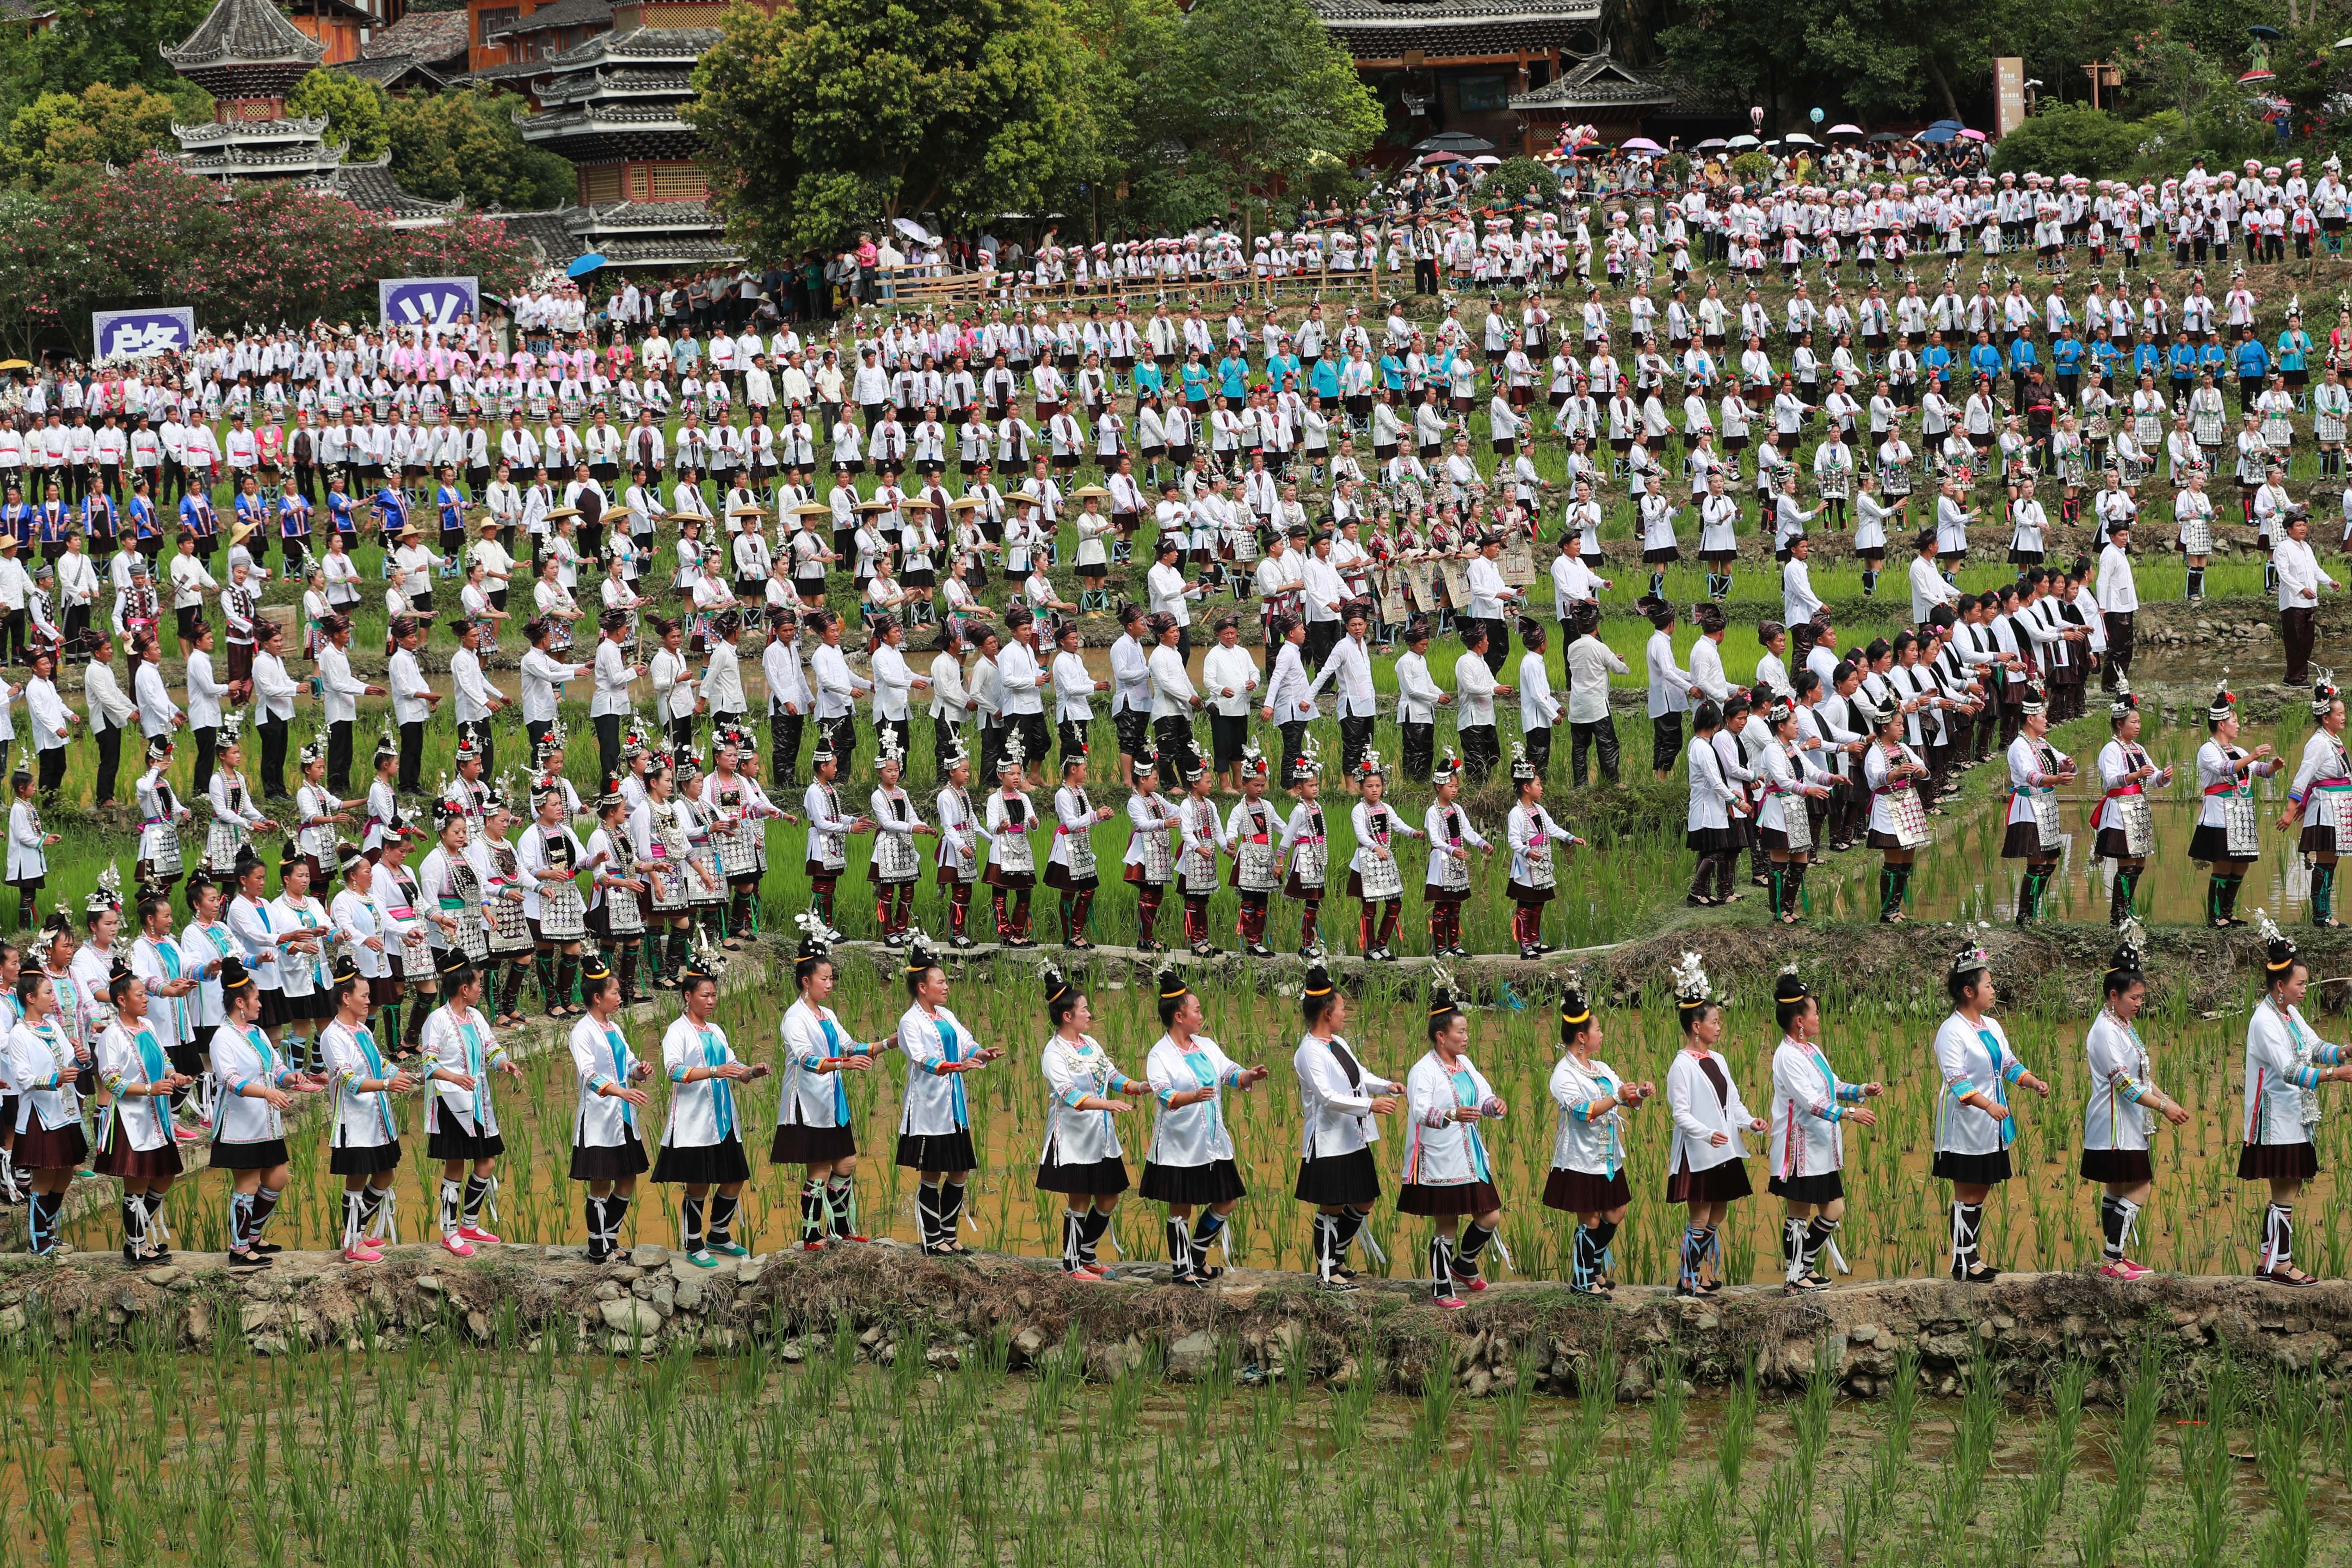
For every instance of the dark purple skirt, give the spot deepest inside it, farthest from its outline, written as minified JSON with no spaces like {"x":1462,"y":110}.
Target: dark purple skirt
{"x":1582,"y":1192}
{"x":2023,"y":842}
{"x":2262,"y":1162}
{"x":122,"y":1160}
{"x":1446,"y":1199}
{"x":39,"y":1149}
{"x":1724,"y":1184}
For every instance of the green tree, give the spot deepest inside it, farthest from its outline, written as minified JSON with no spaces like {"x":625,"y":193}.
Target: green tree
{"x":57,"y":132}
{"x":119,"y":42}
{"x":831,"y":113}
{"x":1266,"y":101}
{"x":1119,"y":169}
{"x":463,"y":142}
{"x":1508,"y":184}
{"x":2070,"y":137}
{"x":356,"y":111}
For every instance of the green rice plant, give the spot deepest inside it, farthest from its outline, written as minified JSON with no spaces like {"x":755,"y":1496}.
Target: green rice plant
{"x":2288,"y":1419}
{"x":1968,"y":1461}
{"x":2130,"y":1446}
{"x":2019,"y":1538}
{"x":1738,"y":1433}
{"x":2209,"y":1466}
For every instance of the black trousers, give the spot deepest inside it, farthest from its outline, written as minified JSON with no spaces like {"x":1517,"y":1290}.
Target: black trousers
{"x":207,"y":744}
{"x":478,"y":731}
{"x":1072,"y":734}
{"x":412,"y":755}
{"x":52,"y":770}
{"x":1420,"y":751}
{"x":1177,"y":751}
{"x":1601,"y":734}
{"x":784,"y":746}
{"x":339,"y":756}
{"x":608,"y":747}
{"x":2298,"y":629}
{"x":273,"y":759}
{"x":1539,"y":751}
{"x":536,"y":731}
{"x":1498,"y":644}
{"x":110,"y":764}
{"x":992,"y":742}
{"x":1294,"y":735}
{"x":2119,"y":648}
{"x":1480,"y":750}
{"x":1355,"y":737}
{"x":1665,"y":741}
{"x":1322,"y":637}
{"x":840,"y":736}
{"x":1036,"y":738}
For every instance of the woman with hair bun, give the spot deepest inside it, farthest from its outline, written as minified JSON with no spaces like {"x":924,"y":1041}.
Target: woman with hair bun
{"x":1588,"y":1153}
{"x":813,"y":1116}
{"x":2286,"y":1061}
{"x":1339,"y":1097}
{"x":935,"y":1127}
{"x":1706,"y":1170}
{"x":2116,"y":1120}
{"x":1191,"y":1164}
{"x":1974,"y":1124}
{"x":1082,"y":1159}
{"x":1810,"y":1103}
{"x":1447,"y":1173}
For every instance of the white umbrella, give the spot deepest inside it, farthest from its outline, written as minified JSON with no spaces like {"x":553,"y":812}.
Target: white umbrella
{"x":1487,"y":160}
{"x":1800,"y":136}
{"x":1743,"y":141}
{"x":913,"y":231}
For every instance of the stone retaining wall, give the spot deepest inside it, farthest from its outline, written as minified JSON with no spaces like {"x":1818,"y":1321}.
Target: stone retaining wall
{"x":1258,"y":1323}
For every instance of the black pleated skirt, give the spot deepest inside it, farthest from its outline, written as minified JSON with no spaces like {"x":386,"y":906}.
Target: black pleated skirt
{"x":795,"y":1144}
{"x":1972,"y":1170}
{"x":355,"y":1160}
{"x":1217,"y":1181}
{"x":2129,"y":1166}
{"x":1340,"y":1178}
{"x":937,"y":1151}
{"x":1106,"y":1177}
{"x":121,"y":1160}
{"x":2210,"y":844}
{"x":704,"y":1164}
{"x":451,"y":1141}
{"x":608,"y":1162}
{"x":1826,"y":1188}
{"x":263,"y":1154}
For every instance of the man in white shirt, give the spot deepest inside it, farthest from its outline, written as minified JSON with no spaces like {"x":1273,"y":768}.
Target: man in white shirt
{"x":1670,"y":689}
{"x":544,"y":676}
{"x":339,"y":691}
{"x":2300,"y":579}
{"x":1490,"y":598}
{"x":476,"y":699}
{"x":2118,"y":597}
{"x":1929,"y":587}
{"x":1130,"y":699}
{"x":610,"y":705}
{"x":109,"y":713}
{"x":1349,"y":669}
{"x":788,"y":698}
{"x":413,"y":699}
{"x":1020,"y":678}
{"x":1418,"y":699}
{"x":1591,"y":663}
{"x":273,"y":697}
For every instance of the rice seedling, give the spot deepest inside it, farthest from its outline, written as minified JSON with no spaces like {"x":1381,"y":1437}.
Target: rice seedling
{"x":2130,"y":1449}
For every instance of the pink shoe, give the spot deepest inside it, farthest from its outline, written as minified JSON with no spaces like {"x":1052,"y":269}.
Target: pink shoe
{"x":1452,"y":1303}
{"x":456,"y":1242}
{"x":192,"y":1133}
{"x":1472,"y":1285}
{"x":475,"y":1232}
{"x":361,"y":1253}
{"x":2124,"y":1268}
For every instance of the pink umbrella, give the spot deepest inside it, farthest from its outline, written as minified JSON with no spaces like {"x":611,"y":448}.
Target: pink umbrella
{"x":1971,"y":135}
{"x":1846,"y":130}
{"x":1640,"y":144}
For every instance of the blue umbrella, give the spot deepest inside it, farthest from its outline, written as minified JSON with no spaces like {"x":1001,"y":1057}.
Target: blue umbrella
{"x":583,"y":264}
{"x":1939,"y":132}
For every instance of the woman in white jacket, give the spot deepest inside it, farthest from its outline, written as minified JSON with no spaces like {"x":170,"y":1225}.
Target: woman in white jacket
{"x":1706,"y":1170}
{"x":2122,"y":1109}
{"x":1190,"y":1166}
{"x":1339,"y":1097}
{"x":2226,"y":836}
{"x":1809,"y":1105}
{"x":135,"y":1141}
{"x":2322,"y":783}
{"x":935,"y":1126}
{"x":1588,"y":1153}
{"x":1708,"y":830}
{"x":812,"y":1117}
{"x":1447,"y":1171}
{"x":2286,"y":1061}
{"x":1082,"y":1160}
{"x":1973,"y":1119}
{"x":608,"y":1139}
{"x":702,"y":1142}
{"x":364,"y":1148}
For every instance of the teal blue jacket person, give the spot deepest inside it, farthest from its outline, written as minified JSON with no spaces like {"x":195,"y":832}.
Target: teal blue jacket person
{"x":2253,"y":362}
{"x":2293,"y":349}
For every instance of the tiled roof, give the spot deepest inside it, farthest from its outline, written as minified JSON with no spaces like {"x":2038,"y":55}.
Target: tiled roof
{"x":1429,"y":12}
{"x":421,"y":35}
{"x":386,"y":69}
{"x":1599,"y":82}
{"x":646,"y":215}
{"x":548,"y":229}
{"x":211,"y":130}
{"x":370,"y":186}
{"x":246,"y":30}
{"x":638,"y":44}
{"x":561,"y":14}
